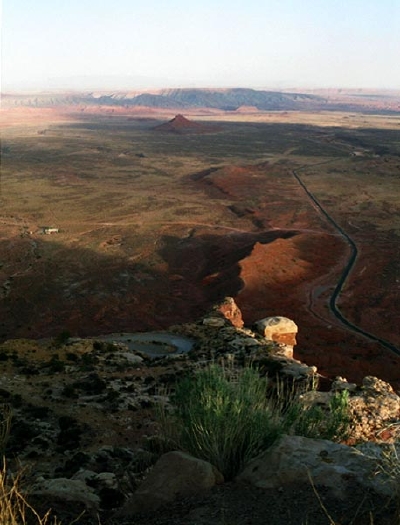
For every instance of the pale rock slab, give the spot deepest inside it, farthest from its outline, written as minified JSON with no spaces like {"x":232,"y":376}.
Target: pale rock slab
{"x":297,"y":459}
{"x":72,"y":490}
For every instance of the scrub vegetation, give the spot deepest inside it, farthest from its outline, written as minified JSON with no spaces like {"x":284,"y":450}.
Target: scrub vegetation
{"x":228,"y":416}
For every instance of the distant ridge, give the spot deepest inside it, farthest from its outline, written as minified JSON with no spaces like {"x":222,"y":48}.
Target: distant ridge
{"x":220,"y":99}
{"x":233,"y":99}
{"x":224,"y":99}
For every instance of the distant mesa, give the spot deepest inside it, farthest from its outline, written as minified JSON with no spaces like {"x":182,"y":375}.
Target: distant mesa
{"x":180,"y":124}
{"x":240,"y":100}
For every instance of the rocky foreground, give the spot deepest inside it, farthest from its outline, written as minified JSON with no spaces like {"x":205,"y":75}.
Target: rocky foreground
{"x":84,"y":429}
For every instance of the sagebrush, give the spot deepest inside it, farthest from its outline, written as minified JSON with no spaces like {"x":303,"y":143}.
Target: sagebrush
{"x":227,"y":416}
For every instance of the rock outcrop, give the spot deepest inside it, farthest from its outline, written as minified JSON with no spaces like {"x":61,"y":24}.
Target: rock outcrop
{"x":375,"y":412}
{"x":374,"y":409}
{"x":229,"y":309}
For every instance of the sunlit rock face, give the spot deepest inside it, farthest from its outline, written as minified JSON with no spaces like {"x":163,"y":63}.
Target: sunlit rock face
{"x":230,"y":311}
{"x":279,"y":329}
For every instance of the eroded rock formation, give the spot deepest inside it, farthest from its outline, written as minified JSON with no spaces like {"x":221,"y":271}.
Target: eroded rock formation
{"x":281,"y":330}
{"x":229,"y":309}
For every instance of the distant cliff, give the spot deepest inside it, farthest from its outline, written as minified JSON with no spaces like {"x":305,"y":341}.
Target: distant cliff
{"x":233,"y":99}
{"x":223,"y":99}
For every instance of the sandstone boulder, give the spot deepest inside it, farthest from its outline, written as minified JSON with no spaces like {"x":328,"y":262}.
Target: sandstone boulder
{"x":298,"y":459}
{"x":278,"y":329}
{"x":281,"y":330}
{"x":175,"y":475}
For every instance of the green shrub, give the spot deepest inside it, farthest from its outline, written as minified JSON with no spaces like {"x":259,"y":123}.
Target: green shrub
{"x":331,"y":422}
{"x":224,"y":418}
{"x":227,"y":417}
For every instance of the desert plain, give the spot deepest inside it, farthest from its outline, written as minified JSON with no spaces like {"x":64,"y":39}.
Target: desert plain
{"x":157,"y":217}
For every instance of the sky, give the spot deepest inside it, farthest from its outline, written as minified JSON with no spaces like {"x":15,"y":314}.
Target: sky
{"x":138,"y":44}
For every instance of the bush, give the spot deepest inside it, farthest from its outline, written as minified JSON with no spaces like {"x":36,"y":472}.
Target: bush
{"x":331,"y":422}
{"x":227,"y":417}
{"x":224,"y":418}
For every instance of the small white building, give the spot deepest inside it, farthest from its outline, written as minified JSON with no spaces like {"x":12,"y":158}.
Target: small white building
{"x":48,"y":230}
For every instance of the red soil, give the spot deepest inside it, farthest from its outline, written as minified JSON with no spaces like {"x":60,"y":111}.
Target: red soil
{"x":278,"y":280}
{"x":295,"y":277}
{"x":268,"y":273}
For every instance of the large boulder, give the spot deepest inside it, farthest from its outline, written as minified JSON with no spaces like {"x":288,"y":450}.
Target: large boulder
{"x":297,"y":459}
{"x":278,"y":329}
{"x":175,"y":475}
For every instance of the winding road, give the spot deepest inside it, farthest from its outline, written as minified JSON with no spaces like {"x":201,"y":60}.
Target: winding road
{"x":345,"y":273}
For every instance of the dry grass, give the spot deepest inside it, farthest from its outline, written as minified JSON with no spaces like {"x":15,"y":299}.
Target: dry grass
{"x":14,"y":508}
{"x":390,"y":465}
{"x":5,"y":425}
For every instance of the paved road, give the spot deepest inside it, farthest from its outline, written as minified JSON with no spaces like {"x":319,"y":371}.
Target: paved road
{"x":345,"y":274}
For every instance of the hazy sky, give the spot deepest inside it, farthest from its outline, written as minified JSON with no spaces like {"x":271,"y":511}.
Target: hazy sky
{"x":246,"y":43}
